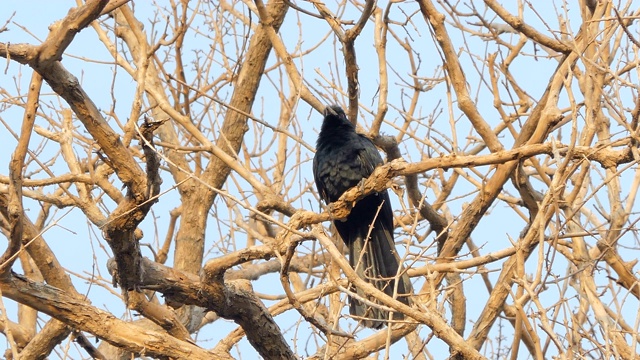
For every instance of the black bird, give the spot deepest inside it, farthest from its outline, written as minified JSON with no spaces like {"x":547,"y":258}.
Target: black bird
{"x":343,"y":159}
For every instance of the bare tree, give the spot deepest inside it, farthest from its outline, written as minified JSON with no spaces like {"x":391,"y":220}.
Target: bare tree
{"x":157,"y":178}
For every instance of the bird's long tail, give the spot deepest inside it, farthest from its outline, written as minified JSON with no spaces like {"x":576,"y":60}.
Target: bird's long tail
{"x":375,"y":260}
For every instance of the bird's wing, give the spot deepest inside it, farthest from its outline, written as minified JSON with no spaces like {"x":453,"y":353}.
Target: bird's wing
{"x":339,"y":169}
{"x":318,"y":179}
{"x":369,"y":156}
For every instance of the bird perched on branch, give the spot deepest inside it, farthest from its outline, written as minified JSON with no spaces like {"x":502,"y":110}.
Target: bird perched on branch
{"x":343,"y":159}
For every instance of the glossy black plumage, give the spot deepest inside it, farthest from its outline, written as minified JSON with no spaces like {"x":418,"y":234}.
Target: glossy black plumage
{"x":343,"y":158}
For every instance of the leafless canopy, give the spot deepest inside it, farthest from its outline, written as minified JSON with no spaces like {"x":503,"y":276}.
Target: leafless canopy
{"x":157,"y":198}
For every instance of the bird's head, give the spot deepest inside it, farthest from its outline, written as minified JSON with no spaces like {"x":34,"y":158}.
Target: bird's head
{"x":335,"y":120}
{"x":335,"y":110}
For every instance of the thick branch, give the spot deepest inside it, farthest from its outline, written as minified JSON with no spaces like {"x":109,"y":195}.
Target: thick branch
{"x":15,"y":209}
{"x":84,"y":317}
{"x":232,"y":300}
{"x":63,"y":32}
